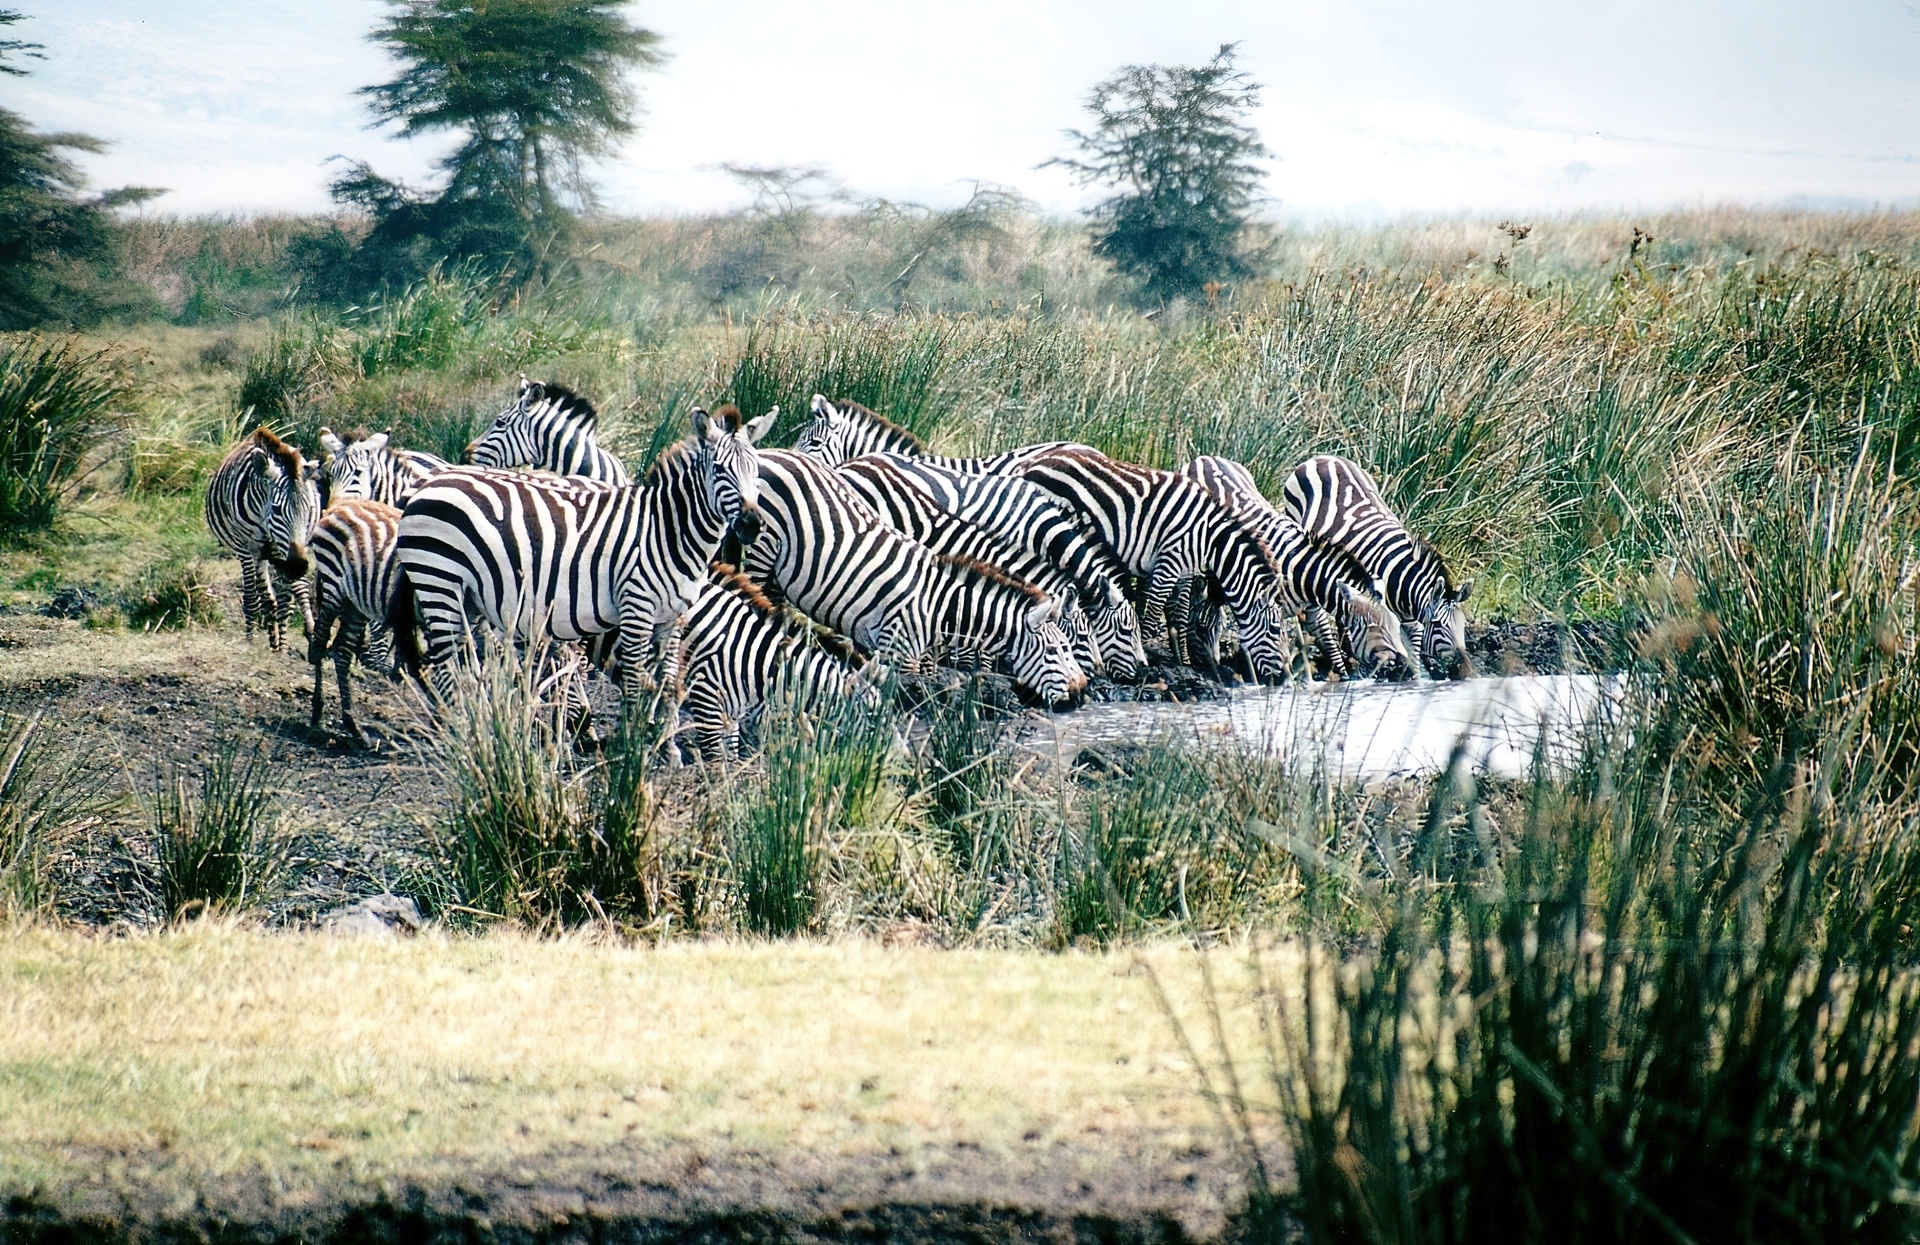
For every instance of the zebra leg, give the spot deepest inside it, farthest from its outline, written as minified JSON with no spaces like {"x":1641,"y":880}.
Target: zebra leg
{"x":251,"y":607}
{"x":1417,"y":646}
{"x":1327,"y":636}
{"x":352,"y":641}
{"x":317,"y":658}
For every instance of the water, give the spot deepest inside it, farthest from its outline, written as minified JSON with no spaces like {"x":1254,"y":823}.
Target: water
{"x":1364,"y":729}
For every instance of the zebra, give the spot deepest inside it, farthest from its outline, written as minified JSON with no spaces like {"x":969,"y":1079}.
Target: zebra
{"x":1022,"y":529}
{"x":839,"y":431}
{"x":371,"y":468}
{"x":834,"y":559}
{"x":734,"y":647}
{"x":1313,"y":575}
{"x":262,"y":504}
{"x":549,"y":427}
{"x":1338,"y":504}
{"x":568,"y":558}
{"x":1169,"y":529}
{"x":353,"y":563}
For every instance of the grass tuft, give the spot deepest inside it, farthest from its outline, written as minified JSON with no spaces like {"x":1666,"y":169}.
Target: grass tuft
{"x":218,"y":843}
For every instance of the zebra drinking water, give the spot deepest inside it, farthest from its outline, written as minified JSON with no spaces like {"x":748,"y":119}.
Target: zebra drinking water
{"x":353,"y":562}
{"x":262,"y":505}
{"x":1319,"y":580}
{"x":370,"y":467}
{"x":1338,"y":505}
{"x":541,"y":555}
{"x":549,"y":427}
{"x":1022,"y":529}
{"x":832,"y":557}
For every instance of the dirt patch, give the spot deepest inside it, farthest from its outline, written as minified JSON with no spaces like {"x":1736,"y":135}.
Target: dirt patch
{"x":1122,"y":1192}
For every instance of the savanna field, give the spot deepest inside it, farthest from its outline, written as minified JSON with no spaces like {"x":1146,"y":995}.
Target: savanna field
{"x":923,"y":968}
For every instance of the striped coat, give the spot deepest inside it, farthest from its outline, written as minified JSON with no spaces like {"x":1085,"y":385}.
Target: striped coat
{"x":549,"y":427}
{"x":559,"y":557}
{"x":829,"y":554}
{"x":1323,"y":583}
{"x":353,"y":563}
{"x":1340,"y":506}
{"x":371,"y":468}
{"x":839,"y":431}
{"x":262,"y":504}
{"x":734,"y":648}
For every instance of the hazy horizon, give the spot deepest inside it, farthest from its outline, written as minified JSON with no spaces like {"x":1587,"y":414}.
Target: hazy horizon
{"x":1379,"y":111}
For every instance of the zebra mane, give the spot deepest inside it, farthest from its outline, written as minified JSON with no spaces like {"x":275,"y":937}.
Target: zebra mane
{"x":1425,"y":551}
{"x":989,"y":572}
{"x":727,"y":416}
{"x":847,"y":406}
{"x":670,"y":457}
{"x":731,"y":579}
{"x":573,"y":403}
{"x":288,"y":456}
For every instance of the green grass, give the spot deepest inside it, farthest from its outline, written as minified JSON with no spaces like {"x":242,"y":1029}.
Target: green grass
{"x":217,"y":839}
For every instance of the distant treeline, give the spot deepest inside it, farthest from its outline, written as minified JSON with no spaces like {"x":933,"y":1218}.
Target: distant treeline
{"x":991,"y":255}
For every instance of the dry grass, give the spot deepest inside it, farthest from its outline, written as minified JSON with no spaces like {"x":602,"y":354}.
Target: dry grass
{"x":223,"y":1051}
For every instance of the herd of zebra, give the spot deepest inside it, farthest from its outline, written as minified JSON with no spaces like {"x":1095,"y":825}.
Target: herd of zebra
{"x":1053,"y":563}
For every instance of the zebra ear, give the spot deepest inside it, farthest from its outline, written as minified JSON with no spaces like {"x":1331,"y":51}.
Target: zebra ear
{"x":378,"y":441}
{"x":757,"y":428}
{"x":821,"y":407}
{"x":1463,"y":592}
{"x":702,"y":425}
{"x":331,"y":443}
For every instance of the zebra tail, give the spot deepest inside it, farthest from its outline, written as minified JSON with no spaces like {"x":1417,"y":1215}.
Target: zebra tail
{"x":404,"y":627}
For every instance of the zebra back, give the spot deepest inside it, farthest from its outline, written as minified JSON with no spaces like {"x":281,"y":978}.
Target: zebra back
{"x":1169,"y":529}
{"x":840,"y":431}
{"x":1339,"y":505}
{"x":551,"y":428}
{"x":370,"y":467}
{"x":544,"y":555}
{"x":1316,"y":579}
{"x":353,"y":561}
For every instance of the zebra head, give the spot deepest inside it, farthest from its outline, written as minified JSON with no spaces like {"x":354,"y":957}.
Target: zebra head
{"x":293,"y":506}
{"x":1374,"y":631}
{"x":731,"y":465}
{"x":1040,"y":657}
{"x":839,"y":431}
{"x":511,"y":440}
{"x":1446,"y":626}
{"x":1115,"y":629}
{"x":350,"y":464}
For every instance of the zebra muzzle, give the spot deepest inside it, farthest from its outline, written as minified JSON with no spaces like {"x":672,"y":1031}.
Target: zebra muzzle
{"x":746,"y":527}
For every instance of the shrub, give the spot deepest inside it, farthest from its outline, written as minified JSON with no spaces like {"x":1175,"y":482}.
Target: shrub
{"x":823,"y":770}
{"x":56,"y":408}
{"x":171,"y":596}
{"x":891,"y":364}
{"x":48,"y":795}
{"x":534,"y":833}
{"x":217,"y":842}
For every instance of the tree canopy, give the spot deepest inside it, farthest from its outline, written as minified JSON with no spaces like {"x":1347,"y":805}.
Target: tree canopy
{"x":57,"y":247}
{"x":1174,"y":143}
{"x":535,"y":88}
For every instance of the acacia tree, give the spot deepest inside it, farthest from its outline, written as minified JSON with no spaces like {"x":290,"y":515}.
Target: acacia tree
{"x":1173,"y":141}
{"x":536,"y":89}
{"x":56,"y":243}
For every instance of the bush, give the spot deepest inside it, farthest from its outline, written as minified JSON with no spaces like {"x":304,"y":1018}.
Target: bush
{"x":48,"y":795}
{"x":534,"y":833}
{"x":823,"y":772}
{"x":217,"y":842}
{"x":56,"y":408}
{"x":892,"y":364}
{"x":171,"y":596}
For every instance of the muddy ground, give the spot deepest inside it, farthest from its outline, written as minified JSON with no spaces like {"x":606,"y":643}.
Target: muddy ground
{"x":360,"y":815}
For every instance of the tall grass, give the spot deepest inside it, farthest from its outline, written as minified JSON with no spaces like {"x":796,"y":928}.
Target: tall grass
{"x":49,"y":795}
{"x":821,"y":772}
{"x":217,"y":838}
{"x":58,"y":404}
{"x":1666,"y":992}
{"x":535,"y":831}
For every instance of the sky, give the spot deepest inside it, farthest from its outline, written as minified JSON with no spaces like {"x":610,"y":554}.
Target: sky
{"x":1371,"y":108}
